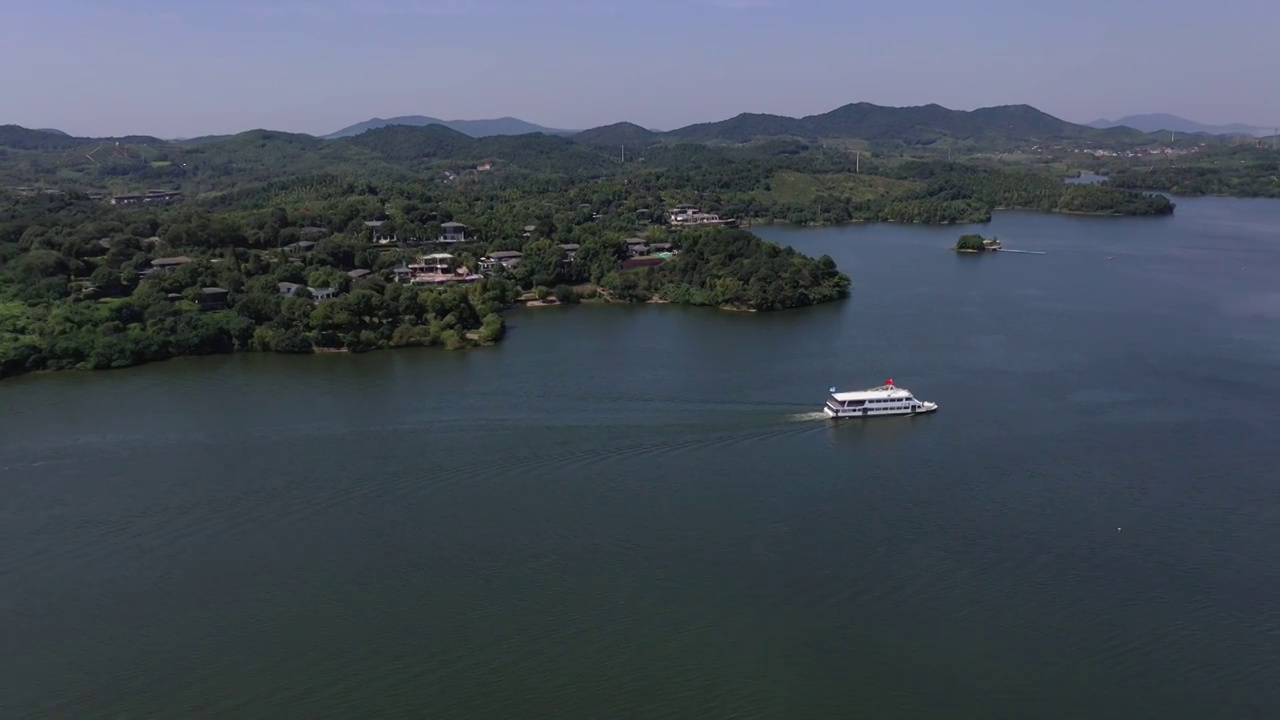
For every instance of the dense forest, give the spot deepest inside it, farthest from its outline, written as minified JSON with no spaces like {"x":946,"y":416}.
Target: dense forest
{"x":731,"y":269}
{"x":1240,"y":171}
{"x":291,"y":243}
{"x":82,"y":288}
{"x":291,"y":268}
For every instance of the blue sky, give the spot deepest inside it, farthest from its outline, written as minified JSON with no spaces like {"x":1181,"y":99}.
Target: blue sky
{"x":191,"y":67}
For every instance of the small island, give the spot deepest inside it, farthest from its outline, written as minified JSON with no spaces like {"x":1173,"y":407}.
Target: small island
{"x":975,"y":243}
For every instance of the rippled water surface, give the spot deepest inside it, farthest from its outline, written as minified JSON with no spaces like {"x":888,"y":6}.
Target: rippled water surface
{"x":633,"y":512}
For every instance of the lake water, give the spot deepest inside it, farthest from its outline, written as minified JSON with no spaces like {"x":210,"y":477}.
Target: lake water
{"x":630,"y":512}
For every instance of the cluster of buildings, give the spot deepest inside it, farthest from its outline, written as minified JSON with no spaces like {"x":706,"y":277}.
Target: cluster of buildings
{"x":1134,"y":152}
{"x":690,"y":215}
{"x":216,"y":298}
{"x":438,"y":268}
{"x":288,"y":289}
{"x":639,"y":247}
{"x":1141,"y":152}
{"x":209,"y":298}
{"x":150,"y":196}
{"x":450,"y":233}
{"x":441,"y":268}
{"x":434,"y":269}
{"x":28,"y":191}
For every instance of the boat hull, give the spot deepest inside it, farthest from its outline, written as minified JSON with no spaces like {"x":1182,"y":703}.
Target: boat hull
{"x":846,"y":414}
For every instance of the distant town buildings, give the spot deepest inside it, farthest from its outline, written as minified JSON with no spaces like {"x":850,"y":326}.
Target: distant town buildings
{"x":151,"y":196}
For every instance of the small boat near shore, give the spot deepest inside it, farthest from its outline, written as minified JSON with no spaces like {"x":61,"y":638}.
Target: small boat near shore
{"x":887,"y":399}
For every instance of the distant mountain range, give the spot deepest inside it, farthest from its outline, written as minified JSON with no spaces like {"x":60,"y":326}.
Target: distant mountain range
{"x":917,"y":125}
{"x":1004,"y":126}
{"x":404,"y":151}
{"x":1157,"y":122}
{"x":474,"y":128}
{"x":873,"y":123}
{"x":920,"y":125}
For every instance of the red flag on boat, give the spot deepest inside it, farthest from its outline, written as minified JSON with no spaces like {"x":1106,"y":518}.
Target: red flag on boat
{"x":889,"y":381}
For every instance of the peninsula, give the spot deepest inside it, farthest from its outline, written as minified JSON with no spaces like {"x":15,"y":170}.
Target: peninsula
{"x":91,"y":285}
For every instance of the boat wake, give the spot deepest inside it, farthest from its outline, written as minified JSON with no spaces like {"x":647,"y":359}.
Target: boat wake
{"x":807,"y":416}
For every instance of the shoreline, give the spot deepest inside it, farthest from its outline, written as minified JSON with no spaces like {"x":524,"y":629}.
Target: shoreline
{"x":1081,"y":213}
{"x":472,"y":336}
{"x":1193,"y":196}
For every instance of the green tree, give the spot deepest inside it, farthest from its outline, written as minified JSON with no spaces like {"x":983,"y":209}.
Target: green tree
{"x":540,"y":265}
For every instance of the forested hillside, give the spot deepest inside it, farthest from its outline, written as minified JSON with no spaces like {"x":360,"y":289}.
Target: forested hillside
{"x":1251,"y":170}
{"x":766,"y":179}
{"x":897,"y":126}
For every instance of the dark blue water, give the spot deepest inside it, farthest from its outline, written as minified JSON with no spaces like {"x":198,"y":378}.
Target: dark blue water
{"x":631,"y":511}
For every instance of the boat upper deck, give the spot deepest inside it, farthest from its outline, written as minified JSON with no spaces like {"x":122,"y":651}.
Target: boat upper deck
{"x":884,"y":392}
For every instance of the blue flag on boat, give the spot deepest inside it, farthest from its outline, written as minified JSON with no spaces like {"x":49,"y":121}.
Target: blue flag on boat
{"x":833,"y":389}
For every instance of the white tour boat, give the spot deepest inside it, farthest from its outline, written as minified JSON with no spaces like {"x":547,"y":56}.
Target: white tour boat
{"x":887,"y":399}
